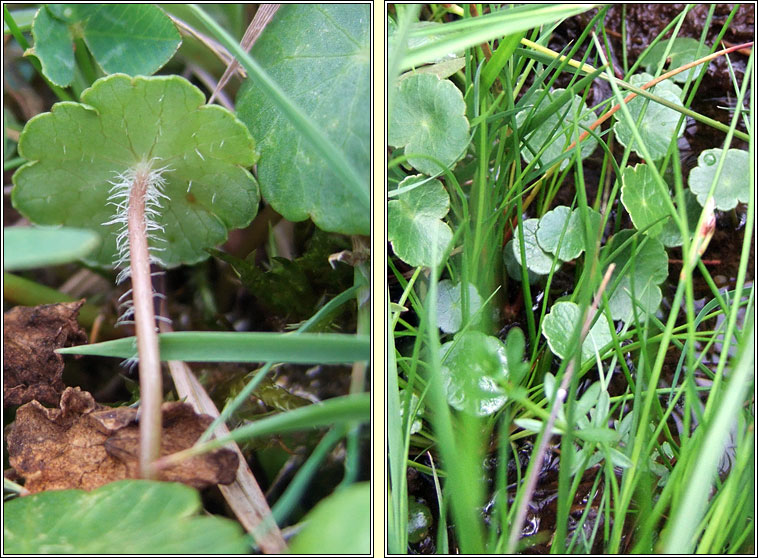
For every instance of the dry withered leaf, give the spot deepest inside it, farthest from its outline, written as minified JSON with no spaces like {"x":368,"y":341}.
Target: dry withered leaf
{"x":32,"y":370}
{"x":86,"y":445}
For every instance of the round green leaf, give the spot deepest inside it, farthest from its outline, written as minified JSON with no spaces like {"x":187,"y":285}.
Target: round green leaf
{"x":648,"y":267}
{"x":414,"y":225}
{"x":551,"y":228}
{"x":78,"y":150}
{"x":131,"y":38}
{"x":537,"y":260}
{"x":130,"y":516}
{"x":641,"y":198}
{"x":449,"y":305}
{"x":473,"y":373}
{"x":417,"y":422}
{"x":559,"y":326}
{"x":53,"y":47}
{"x":514,"y":268}
{"x":428,"y":118}
{"x":557,"y":131}
{"x":659,"y":124}
{"x":319,"y":55}
{"x":339,"y":524}
{"x":734,"y":182}
{"x":27,"y":247}
{"x":683,"y":51}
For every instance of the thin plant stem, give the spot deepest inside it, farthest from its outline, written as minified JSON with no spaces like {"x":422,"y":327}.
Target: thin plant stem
{"x":151,"y":388}
{"x":560,"y":395}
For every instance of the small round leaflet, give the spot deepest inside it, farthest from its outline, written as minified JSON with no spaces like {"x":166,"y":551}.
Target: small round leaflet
{"x":77,"y":150}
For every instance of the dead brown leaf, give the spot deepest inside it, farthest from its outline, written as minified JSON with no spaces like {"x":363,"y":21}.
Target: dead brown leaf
{"x":85,"y":445}
{"x":32,"y":370}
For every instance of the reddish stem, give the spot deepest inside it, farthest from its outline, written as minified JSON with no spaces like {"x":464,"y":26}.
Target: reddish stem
{"x":144,"y":319}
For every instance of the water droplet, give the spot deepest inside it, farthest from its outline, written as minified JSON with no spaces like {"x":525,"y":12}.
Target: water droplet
{"x":709,"y":159}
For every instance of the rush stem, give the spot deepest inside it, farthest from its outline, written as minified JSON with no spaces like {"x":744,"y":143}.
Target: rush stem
{"x":147,"y":338}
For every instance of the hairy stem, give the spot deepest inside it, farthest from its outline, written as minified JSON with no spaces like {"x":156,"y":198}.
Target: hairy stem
{"x":144,"y":319}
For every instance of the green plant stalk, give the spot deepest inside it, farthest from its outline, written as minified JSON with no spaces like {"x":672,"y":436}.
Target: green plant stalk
{"x":337,"y":410}
{"x":318,"y":141}
{"x":151,"y":386}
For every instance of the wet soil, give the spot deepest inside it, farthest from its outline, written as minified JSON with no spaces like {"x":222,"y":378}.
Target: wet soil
{"x":642,"y":22}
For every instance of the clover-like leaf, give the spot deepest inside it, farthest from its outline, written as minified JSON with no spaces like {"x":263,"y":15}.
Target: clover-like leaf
{"x":559,"y":325}
{"x":683,"y":51}
{"x":659,"y":123}
{"x":77,"y":150}
{"x":537,"y":260}
{"x":106,"y":520}
{"x":450,"y":305}
{"x":648,"y":267}
{"x":414,"y":225}
{"x":319,"y":55}
{"x":128,"y":38}
{"x":557,"y":131}
{"x":551,"y":229}
{"x":641,"y":198}
{"x":428,"y":118}
{"x":473,"y":373}
{"x":734,"y":182}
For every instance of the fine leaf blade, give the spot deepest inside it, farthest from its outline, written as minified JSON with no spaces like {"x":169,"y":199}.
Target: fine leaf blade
{"x":224,"y":346}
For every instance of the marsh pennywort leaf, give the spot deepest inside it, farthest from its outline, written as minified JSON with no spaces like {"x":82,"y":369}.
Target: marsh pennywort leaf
{"x":734,"y":182}
{"x":415,"y":410}
{"x":135,"y":39}
{"x":557,"y":131}
{"x":428,"y":118}
{"x":414,"y":225}
{"x":319,"y":55}
{"x":551,"y":229}
{"x":559,"y":326}
{"x":450,"y":305}
{"x":683,"y":51}
{"x":165,"y":516}
{"x":77,"y":149}
{"x":53,"y":47}
{"x":638,"y":287}
{"x":659,"y":123}
{"x":514,"y":268}
{"x":642,"y":200}
{"x":339,"y":524}
{"x":473,"y":373}
{"x":537,"y":260}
